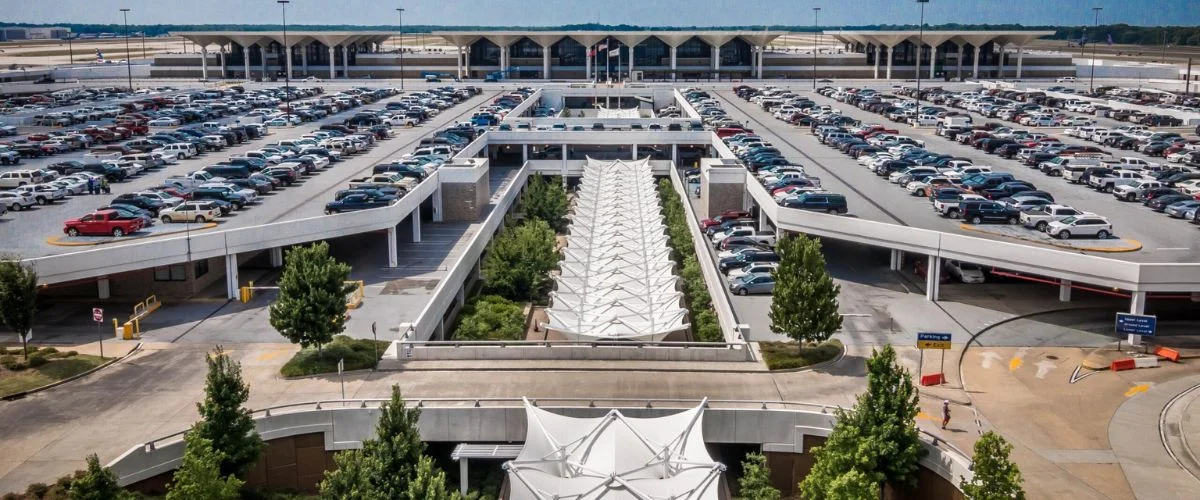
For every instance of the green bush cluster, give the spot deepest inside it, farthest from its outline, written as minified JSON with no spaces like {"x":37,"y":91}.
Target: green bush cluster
{"x":357,"y":354}
{"x":14,"y":359}
{"x":491,"y":317}
{"x":705,"y":327}
{"x":790,"y":355}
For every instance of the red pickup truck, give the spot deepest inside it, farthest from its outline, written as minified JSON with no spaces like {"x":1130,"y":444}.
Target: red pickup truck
{"x":102,"y":223}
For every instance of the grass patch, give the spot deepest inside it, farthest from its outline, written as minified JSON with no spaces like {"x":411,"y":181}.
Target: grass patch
{"x":790,"y":355}
{"x":357,"y":353}
{"x":45,"y":365}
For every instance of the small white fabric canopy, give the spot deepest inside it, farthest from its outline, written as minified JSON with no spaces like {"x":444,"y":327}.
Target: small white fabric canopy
{"x":613,"y":457}
{"x":617,"y":278}
{"x":603,"y":112}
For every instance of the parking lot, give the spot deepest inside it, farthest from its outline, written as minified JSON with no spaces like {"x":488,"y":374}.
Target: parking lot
{"x":1161,"y":239}
{"x":30,"y":232}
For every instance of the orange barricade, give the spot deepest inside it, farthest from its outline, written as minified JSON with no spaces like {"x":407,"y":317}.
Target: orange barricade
{"x":1168,"y":353}
{"x":1122,"y":364}
{"x":933,"y":379}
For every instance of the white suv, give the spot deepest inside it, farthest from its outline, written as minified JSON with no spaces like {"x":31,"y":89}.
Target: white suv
{"x":1083,"y":225}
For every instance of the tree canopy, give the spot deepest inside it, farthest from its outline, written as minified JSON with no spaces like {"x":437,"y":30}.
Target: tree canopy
{"x":311,"y":307}
{"x":545,"y":199}
{"x":18,"y":299}
{"x":519,"y":260}
{"x":96,"y":483}
{"x":804,"y":305}
{"x":225,"y":422}
{"x":491,"y":317}
{"x":755,"y":483}
{"x":996,"y":476}
{"x":199,"y":475}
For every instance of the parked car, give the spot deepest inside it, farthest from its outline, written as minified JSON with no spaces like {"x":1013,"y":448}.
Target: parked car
{"x":965,"y":271}
{"x":190,"y":211}
{"x":102,"y":223}
{"x":752,"y":283}
{"x":1083,"y":225}
{"x":978,"y":212}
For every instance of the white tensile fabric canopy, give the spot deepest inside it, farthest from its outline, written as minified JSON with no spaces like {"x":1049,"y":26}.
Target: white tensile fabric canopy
{"x":617,"y":278}
{"x":603,"y":112}
{"x":613,"y":457}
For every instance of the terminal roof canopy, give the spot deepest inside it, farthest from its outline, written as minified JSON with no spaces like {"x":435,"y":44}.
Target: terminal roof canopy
{"x":614,"y":457}
{"x":617,"y":278}
{"x":937,"y":37}
{"x":247,"y":38}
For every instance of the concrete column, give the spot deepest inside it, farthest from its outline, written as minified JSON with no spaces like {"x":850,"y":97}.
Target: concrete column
{"x":1064,"y":290}
{"x":932,"y":60}
{"x":762,"y":221}
{"x":634,"y":150}
{"x":416,"y":224}
{"x":1137,"y":305}
{"x":232,"y":285}
{"x":263,"y":53}
{"x":1000,"y":64}
{"x":246,"y":62}
{"x":332,"y":68}
{"x":897,"y":262}
{"x":467,"y":62}
{"x":462,"y":476}
{"x":203,"y":63}
{"x":587,"y":70}
{"x":345,"y":62}
{"x":437,"y":205}
{"x":459,"y":65}
{"x":103,"y":291}
{"x":933,"y":278}
{"x":878,"y":57}
{"x":304,"y":61}
{"x":890,"y":57}
{"x":960,"y":60}
{"x":673,"y":65}
{"x":224,"y":70}
{"x":460,"y":297}
{"x":975,"y":70}
{"x":630,"y":63}
{"x":287,"y":58}
{"x":716,"y":62}
{"x":524,"y":153}
{"x":504,"y":60}
{"x":675,"y":153}
{"x":276,"y":255}
{"x":1020,"y":56}
{"x":564,"y":162}
{"x":762,"y":53}
{"x":392,"y":243}
{"x":545,"y":63}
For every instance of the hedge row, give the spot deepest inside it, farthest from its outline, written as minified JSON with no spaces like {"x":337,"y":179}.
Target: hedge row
{"x":705,"y":327}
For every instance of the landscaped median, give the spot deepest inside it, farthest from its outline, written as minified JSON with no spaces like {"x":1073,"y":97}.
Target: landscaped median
{"x":356,"y":354}
{"x":44,"y":366}
{"x":705,"y":327}
{"x":155,"y":231}
{"x":1110,"y":245}
{"x":793,"y":355}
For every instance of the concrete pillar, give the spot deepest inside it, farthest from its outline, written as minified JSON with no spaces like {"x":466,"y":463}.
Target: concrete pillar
{"x":287,"y":55}
{"x":437,"y":205}
{"x":716,"y":62}
{"x":467,"y":62}
{"x":545,"y":63}
{"x":890,"y":56}
{"x":960,"y":60}
{"x":463,"y":486}
{"x":630,"y":63}
{"x":504,"y":60}
{"x":933,"y":278}
{"x":975,"y":70}
{"x":1064,"y":290}
{"x":224,"y":70}
{"x":332,"y":68}
{"x":232,"y":285}
{"x":1000,"y":64}
{"x":416,"y":224}
{"x":878,"y":56}
{"x":103,"y":290}
{"x":587,"y":70}
{"x":276,"y":255}
{"x":1137,"y":305}
{"x":460,"y":297}
{"x":897,"y":262}
{"x":634,"y":149}
{"x":762,"y":220}
{"x":674,"y":51}
{"x":524,"y":153}
{"x":246,"y":62}
{"x":932,"y":60}
{"x":1020,"y":56}
{"x":204,"y":63}
{"x":675,"y":153}
{"x":392,"y":243}
{"x":762,"y":52}
{"x":303,"y":61}
{"x":262,"y":51}
{"x":564,"y":162}
{"x":459,"y":65}
{"x":345,"y":62}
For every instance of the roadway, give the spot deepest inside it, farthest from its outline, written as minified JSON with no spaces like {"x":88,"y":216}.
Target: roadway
{"x":26,"y":233}
{"x":873,"y":198}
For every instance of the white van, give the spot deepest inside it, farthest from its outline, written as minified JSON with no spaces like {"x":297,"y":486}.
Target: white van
{"x":179,"y":150}
{"x":17,"y":178}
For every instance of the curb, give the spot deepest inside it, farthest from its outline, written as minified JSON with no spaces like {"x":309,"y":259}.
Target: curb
{"x":22,"y":394}
{"x":1137,"y":245}
{"x":828,"y":362}
{"x":57,"y":240}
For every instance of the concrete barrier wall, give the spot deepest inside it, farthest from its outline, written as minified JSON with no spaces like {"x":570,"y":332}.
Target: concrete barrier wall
{"x":597,"y":351}
{"x":606,"y":137}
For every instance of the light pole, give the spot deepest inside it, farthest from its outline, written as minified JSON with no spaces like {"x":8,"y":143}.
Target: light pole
{"x":70,"y":48}
{"x":287,"y":63}
{"x":921,"y":47}
{"x":128,"y":64}
{"x":401,"y":12}
{"x":816,"y":16}
{"x":143,"y":43}
{"x":1092,"y":80}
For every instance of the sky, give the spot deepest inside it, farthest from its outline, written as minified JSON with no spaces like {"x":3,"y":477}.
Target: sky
{"x":636,"y":12}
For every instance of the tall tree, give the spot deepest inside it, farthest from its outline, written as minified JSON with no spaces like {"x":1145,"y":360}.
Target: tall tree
{"x":199,"y":476}
{"x":224,"y":420}
{"x":804,"y":305}
{"x":491,"y":317}
{"x":311,"y":307}
{"x":387,"y":464}
{"x":890,"y":409}
{"x":429,"y":483}
{"x":96,"y":483}
{"x":996,"y":476}
{"x":545,"y":199}
{"x":349,"y":478}
{"x":18,"y":299}
{"x":849,"y":447}
{"x":755,"y":483}
{"x":519,"y":260}
{"x":853,"y":485}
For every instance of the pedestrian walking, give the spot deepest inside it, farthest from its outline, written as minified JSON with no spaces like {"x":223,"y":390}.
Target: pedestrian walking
{"x":945,"y":413}
{"x":91,"y":185}
{"x":104,"y":185}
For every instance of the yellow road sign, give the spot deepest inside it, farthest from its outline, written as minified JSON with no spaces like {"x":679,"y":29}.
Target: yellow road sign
{"x":933,"y":344}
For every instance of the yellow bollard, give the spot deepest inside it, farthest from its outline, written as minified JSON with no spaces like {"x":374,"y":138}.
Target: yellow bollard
{"x":116,"y":328}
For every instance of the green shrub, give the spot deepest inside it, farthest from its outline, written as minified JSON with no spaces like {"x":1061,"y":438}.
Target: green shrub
{"x":705,"y":327}
{"x":47,"y":351}
{"x":68,"y":354}
{"x":491,"y":317}
{"x":357,"y":354}
{"x":788,"y":355}
{"x":37,"y":490}
{"x":13,"y":363}
{"x":37,"y":360}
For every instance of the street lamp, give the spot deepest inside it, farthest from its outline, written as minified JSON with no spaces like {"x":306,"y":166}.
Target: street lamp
{"x":920,"y":47}
{"x":1092,"y":80}
{"x":287,"y":64}
{"x":128,"y":66}
{"x":401,"y":12}
{"x":816,"y":14}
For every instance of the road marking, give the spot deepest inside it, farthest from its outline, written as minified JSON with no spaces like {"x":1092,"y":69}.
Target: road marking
{"x":1137,"y":389}
{"x":988,"y":358}
{"x":1018,"y":359}
{"x":1173,"y":249}
{"x":1075,"y":376}
{"x":1043,"y":367}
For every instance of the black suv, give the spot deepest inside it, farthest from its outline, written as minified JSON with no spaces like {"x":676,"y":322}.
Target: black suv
{"x":238,"y":201}
{"x":978,"y":212}
{"x":830,"y":203}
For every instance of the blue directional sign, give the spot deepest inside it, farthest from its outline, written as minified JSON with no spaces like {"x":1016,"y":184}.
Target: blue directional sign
{"x":1136,"y":324}
{"x":931,"y":340}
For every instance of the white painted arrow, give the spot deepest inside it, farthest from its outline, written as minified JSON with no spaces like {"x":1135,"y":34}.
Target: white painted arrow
{"x":988,"y":358}
{"x":1043,"y":367}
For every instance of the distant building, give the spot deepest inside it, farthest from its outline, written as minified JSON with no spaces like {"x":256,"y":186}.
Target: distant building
{"x":47,"y":33}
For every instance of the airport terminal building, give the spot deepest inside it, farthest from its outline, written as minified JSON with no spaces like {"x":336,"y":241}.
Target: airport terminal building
{"x":634,"y":55}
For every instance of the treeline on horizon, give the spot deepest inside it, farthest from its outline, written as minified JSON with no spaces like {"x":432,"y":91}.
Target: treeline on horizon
{"x":1121,"y":33}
